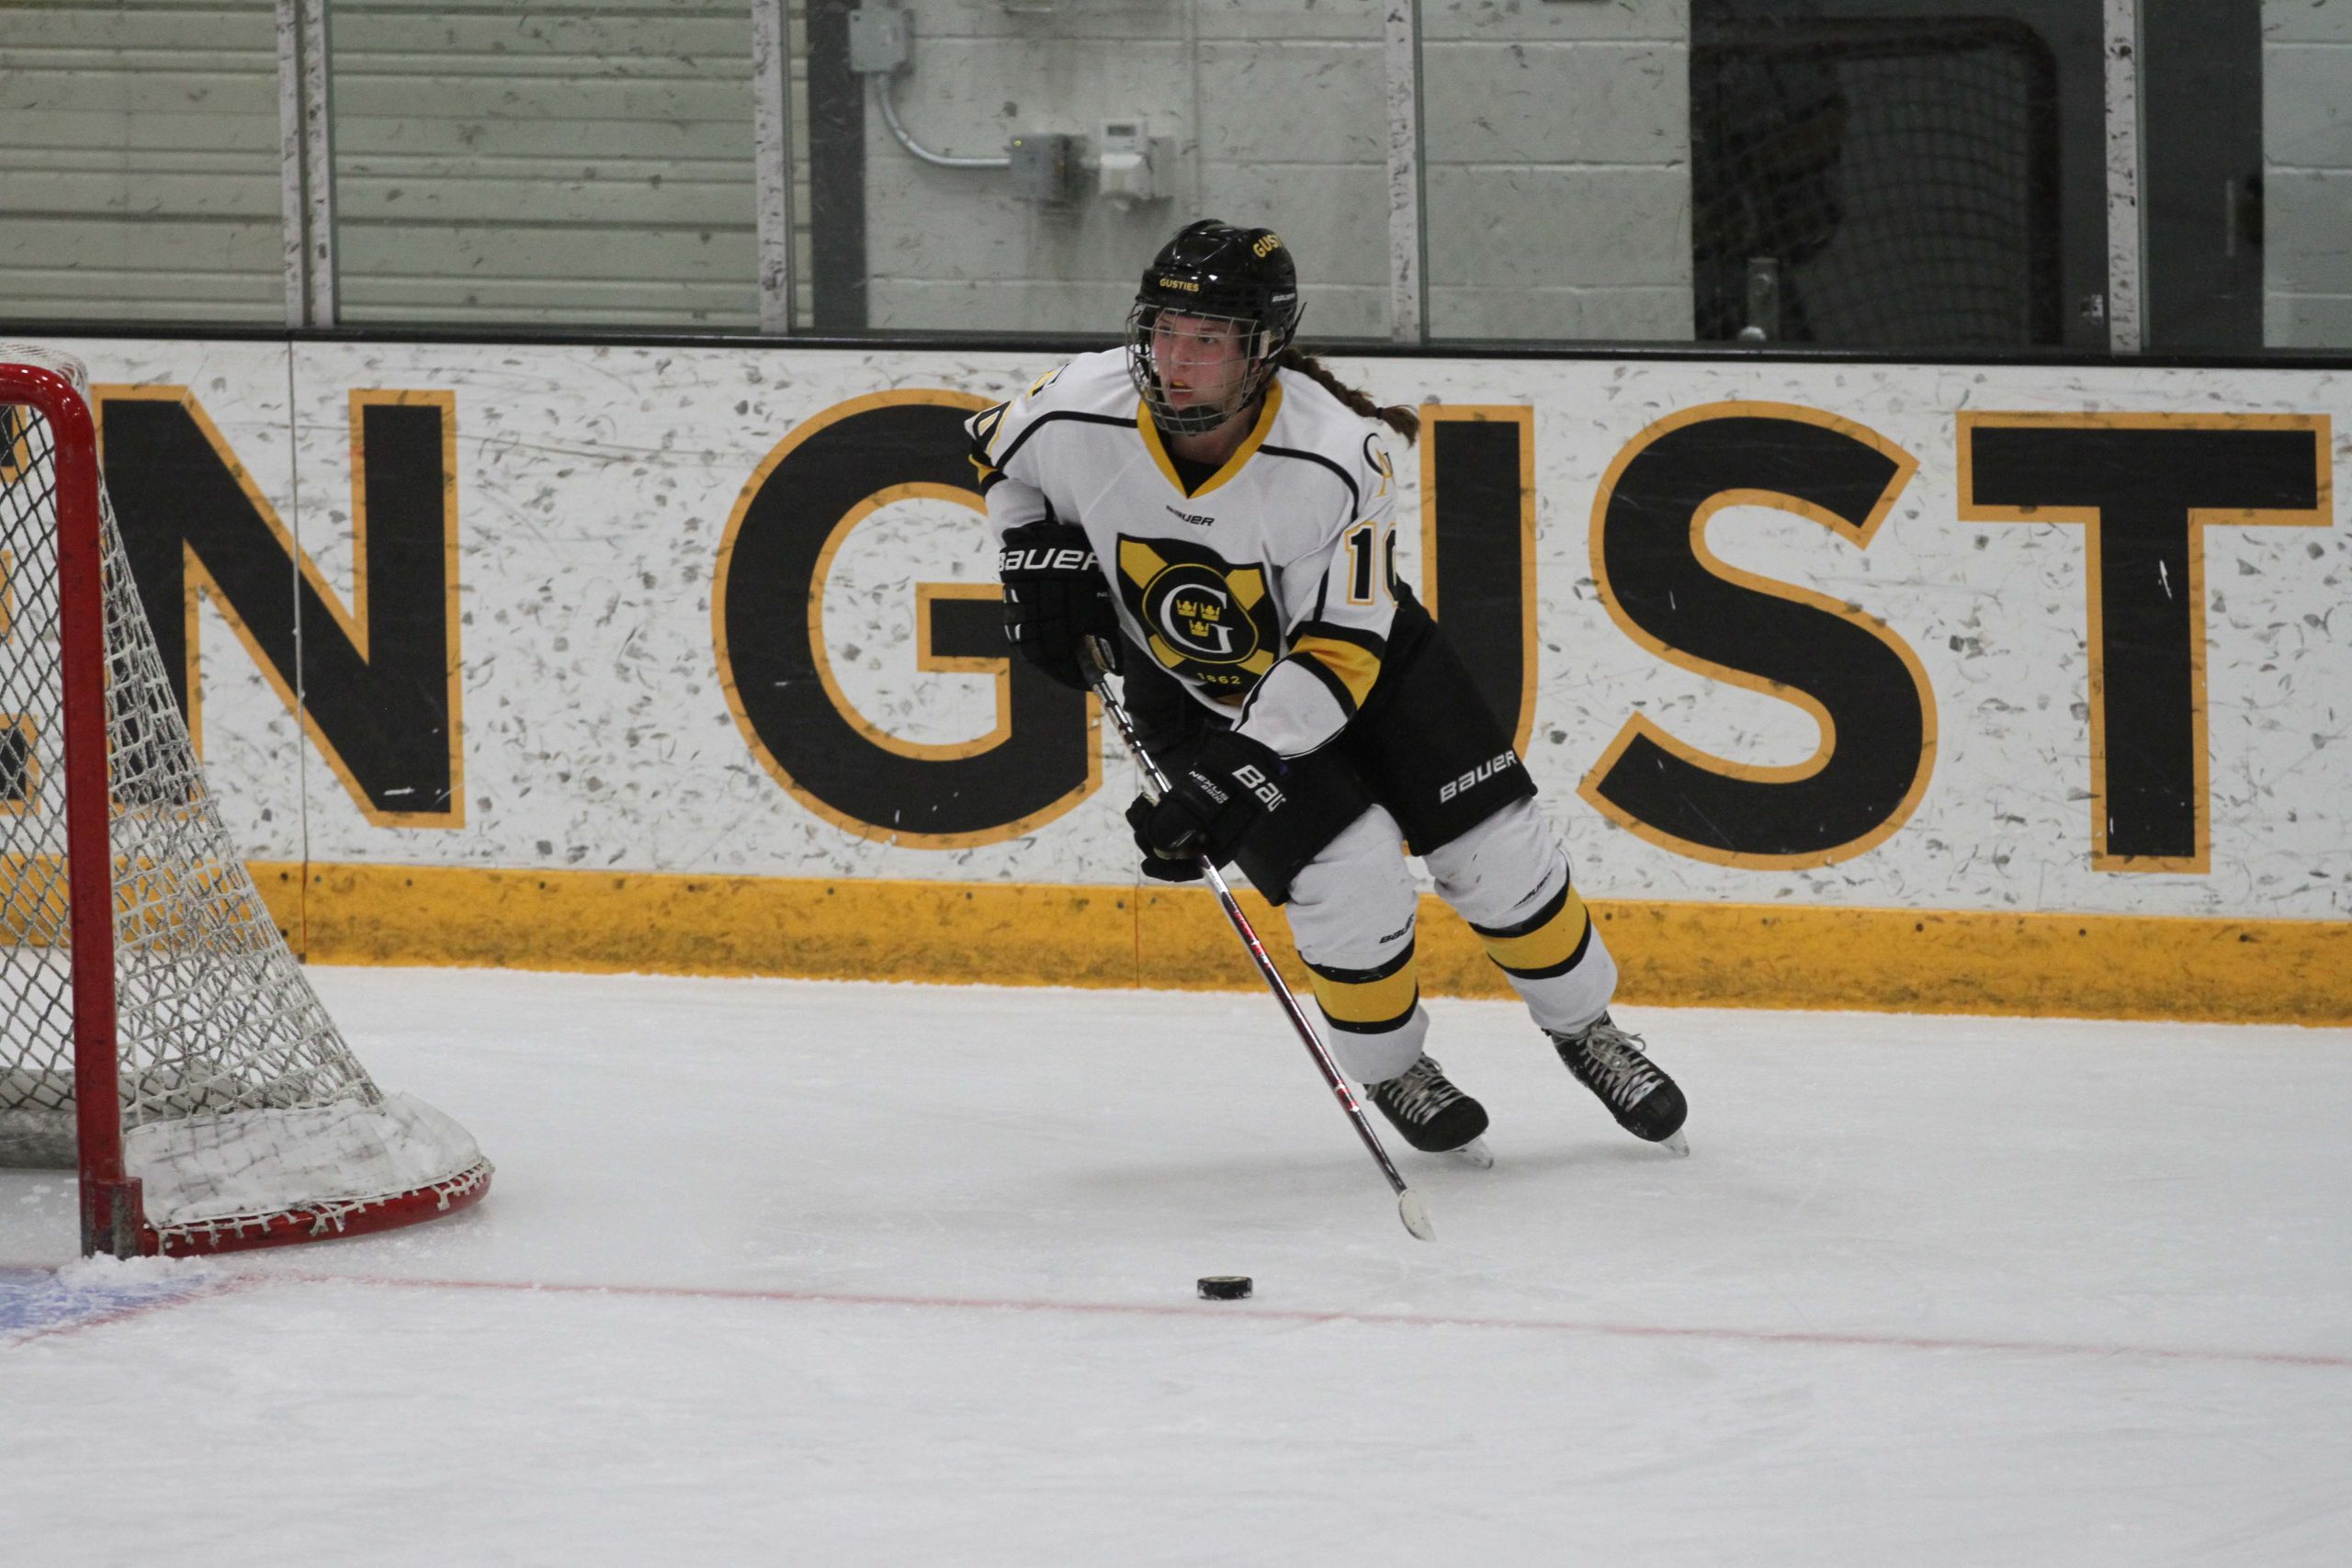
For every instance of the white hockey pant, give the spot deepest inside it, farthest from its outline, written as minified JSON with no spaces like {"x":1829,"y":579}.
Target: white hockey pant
{"x":1351,"y":915}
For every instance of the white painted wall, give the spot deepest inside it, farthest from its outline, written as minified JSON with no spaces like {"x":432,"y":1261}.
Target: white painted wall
{"x":1556,"y":150}
{"x":955,"y":250}
{"x":2307,"y":172}
{"x":1558,"y":142}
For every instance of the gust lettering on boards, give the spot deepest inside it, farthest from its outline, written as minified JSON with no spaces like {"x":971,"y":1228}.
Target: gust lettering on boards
{"x":380,"y":693}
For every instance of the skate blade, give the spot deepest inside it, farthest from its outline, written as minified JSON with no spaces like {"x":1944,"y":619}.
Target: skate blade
{"x":1473,"y":1153}
{"x":1675,"y":1143}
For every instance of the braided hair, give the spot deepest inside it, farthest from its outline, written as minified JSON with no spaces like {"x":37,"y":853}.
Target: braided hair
{"x":1395,"y":416}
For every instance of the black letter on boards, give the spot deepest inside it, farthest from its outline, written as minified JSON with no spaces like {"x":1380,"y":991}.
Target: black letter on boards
{"x":771,"y":572}
{"x":2144,"y":486}
{"x":1478,"y":501}
{"x":380,"y":687}
{"x":1865,"y":689}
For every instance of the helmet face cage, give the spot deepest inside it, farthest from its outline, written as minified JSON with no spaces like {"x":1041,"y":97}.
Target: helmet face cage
{"x":1215,"y":272}
{"x":1264,"y":347}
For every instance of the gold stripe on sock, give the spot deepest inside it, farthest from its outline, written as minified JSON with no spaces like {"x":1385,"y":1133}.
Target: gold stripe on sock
{"x":1368,"y":1000}
{"x":1547,"y":946}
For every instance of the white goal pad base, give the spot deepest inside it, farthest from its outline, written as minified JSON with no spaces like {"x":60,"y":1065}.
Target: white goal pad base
{"x":212,"y":1171}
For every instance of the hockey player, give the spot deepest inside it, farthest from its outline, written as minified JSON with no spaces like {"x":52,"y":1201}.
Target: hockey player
{"x":1212,"y":505}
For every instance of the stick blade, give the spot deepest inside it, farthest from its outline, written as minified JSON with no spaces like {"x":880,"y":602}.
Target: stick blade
{"x":1416,"y":1215}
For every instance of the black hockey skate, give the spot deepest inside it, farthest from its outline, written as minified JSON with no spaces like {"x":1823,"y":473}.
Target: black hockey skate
{"x":1608,"y":1062}
{"x":1434,"y":1117}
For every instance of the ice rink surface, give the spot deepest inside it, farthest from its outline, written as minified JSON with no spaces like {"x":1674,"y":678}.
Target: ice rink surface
{"x":805,"y":1273}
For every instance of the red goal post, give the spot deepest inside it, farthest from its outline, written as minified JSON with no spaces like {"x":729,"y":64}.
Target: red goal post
{"x":160,"y":1037}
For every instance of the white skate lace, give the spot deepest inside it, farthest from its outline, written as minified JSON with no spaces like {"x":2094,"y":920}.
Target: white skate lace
{"x":1616,"y":1065}
{"x":1420,"y":1092}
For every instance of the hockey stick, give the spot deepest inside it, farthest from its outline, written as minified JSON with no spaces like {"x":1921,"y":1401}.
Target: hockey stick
{"x":1409,"y":1207}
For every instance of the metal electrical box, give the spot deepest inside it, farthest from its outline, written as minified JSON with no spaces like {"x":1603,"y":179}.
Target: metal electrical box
{"x":881,"y":38}
{"x":1045,"y":167}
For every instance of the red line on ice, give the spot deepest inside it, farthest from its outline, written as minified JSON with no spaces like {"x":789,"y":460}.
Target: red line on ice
{"x":1371,"y":1319}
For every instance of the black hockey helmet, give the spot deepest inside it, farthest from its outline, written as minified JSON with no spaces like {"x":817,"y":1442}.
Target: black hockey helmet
{"x":1219,"y":272}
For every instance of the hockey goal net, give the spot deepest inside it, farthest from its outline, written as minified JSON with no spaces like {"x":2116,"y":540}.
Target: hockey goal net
{"x":159,"y":1035}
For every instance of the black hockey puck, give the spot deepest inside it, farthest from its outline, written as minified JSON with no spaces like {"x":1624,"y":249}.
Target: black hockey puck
{"x":1223,"y":1287}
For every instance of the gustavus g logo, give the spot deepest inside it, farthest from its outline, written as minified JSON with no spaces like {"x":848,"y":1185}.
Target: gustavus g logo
{"x":1204,"y":619}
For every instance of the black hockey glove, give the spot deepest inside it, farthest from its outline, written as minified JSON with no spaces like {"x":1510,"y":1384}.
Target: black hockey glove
{"x":1055,"y":598}
{"x":1231,"y":784}
{"x":1165,"y":870}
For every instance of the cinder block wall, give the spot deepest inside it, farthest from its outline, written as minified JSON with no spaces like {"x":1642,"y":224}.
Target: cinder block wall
{"x":955,"y":250}
{"x":2307,"y":172}
{"x":590,"y":161}
{"x":1558,"y":141}
{"x":1556,"y":137}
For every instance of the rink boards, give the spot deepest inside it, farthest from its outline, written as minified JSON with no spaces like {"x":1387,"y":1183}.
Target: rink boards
{"x":2009,"y":688}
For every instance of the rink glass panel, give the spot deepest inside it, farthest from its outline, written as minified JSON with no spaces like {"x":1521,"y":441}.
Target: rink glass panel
{"x":581,"y":166}
{"x":1911,"y":175}
{"x":140,"y":168}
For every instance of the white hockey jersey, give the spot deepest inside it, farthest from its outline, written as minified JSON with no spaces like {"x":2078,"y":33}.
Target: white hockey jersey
{"x":1270,"y":588}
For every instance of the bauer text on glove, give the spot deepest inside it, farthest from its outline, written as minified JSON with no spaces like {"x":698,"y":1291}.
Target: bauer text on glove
{"x":1056,"y":599}
{"x":1213,"y":803}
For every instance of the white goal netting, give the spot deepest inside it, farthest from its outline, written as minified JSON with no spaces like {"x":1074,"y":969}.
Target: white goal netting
{"x":244,"y":1113}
